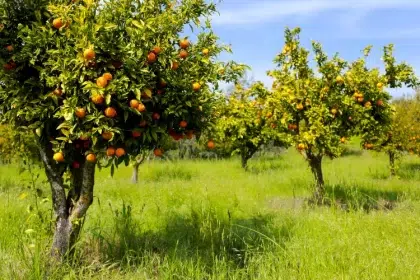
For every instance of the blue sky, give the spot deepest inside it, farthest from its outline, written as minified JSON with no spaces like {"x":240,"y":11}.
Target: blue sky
{"x":255,"y":28}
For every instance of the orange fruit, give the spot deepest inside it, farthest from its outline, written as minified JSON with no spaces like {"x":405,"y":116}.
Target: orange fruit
{"x":360,"y":99}
{"x":301,"y":146}
{"x":343,"y":139}
{"x":299,"y":106}
{"x":120,"y":152}
{"x":58,"y":157}
{"x":136,"y":134}
{"x":183,"y":54}
{"x":107,"y":135}
{"x":157,"y":50}
{"x":57,"y":23}
{"x":175,"y":65}
{"x":110,"y":151}
{"x":339,"y":80}
{"x":98,"y":99}
{"x":9,"y":48}
{"x":184,"y":43}
{"x":107,"y":76}
{"x":158,"y":152}
{"x":110,"y":112}
{"x":89,"y":54}
{"x":151,"y":57}
{"x":183,"y":124}
{"x":80,"y":113}
{"x":269,"y":115}
{"x":368,"y":104}
{"x":333,"y":111}
{"x":134,"y":103}
{"x":58,"y":92}
{"x":91,"y":158}
{"x":206,"y":52}
{"x":196,"y":86}
{"x":210,"y":144}
{"x":189,"y":134}
{"x":156,"y":116}
{"x":380,"y":103}
{"x":101,"y":82}
{"x":141,"y":108}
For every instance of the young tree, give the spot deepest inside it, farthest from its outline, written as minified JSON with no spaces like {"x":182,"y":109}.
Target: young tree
{"x":245,"y":123}
{"x":101,"y":80}
{"x":323,"y":107}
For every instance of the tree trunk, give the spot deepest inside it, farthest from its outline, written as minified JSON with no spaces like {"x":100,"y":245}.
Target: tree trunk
{"x":315,"y":163}
{"x":69,"y":211}
{"x":392,"y":163}
{"x":135,"y":175}
{"x":244,"y":161}
{"x":246,"y":155}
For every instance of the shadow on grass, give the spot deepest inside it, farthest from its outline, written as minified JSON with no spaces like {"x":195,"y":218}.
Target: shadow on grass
{"x":351,"y":152}
{"x":360,"y":198}
{"x":267,"y":164}
{"x":202,"y":236}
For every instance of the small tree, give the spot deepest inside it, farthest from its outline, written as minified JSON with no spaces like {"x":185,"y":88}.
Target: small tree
{"x":322,"y":108}
{"x":245,"y":124}
{"x":100,"y":81}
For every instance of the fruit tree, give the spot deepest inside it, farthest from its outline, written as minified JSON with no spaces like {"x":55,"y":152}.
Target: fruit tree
{"x":101,"y":81}
{"x":323,"y":107}
{"x":245,"y":124}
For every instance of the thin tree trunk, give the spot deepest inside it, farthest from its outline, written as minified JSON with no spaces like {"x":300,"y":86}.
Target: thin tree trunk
{"x":135,"y":175}
{"x":69,"y":211}
{"x":315,"y":163}
{"x":392,"y":163}
{"x":244,"y":161}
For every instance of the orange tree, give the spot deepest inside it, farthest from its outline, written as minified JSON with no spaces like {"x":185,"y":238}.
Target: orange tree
{"x":16,"y":146}
{"x":325,"y":106}
{"x":245,"y":124}
{"x":103,"y":80}
{"x":413,"y":146}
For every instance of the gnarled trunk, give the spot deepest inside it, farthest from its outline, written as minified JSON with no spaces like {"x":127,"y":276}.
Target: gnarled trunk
{"x":71,"y":209}
{"x":137,"y":163}
{"x":315,"y":162}
{"x":246,"y":155}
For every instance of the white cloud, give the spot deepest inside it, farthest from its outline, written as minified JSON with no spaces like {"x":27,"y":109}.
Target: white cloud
{"x":263,"y":11}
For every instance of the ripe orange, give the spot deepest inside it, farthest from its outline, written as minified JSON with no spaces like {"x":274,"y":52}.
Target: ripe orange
{"x":158,"y":152}
{"x":110,"y":151}
{"x":299,"y":106}
{"x":269,"y":115}
{"x":360,"y":99}
{"x":175,"y":65}
{"x":184,"y":43}
{"x":136,"y":134}
{"x":380,"y":103}
{"x":380,"y":86}
{"x":89,"y":54}
{"x":339,"y":80}
{"x":58,"y":157}
{"x":141,"y":108}
{"x":333,"y":111}
{"x":368,"y":104}
{"x":98,"y":99}
{"x":183,"y":54}
{"x":157,"y":50}
{"x":196,"y":86}
{"x":58,"y":92}
{"x":80,"y":113}
{"x":57,"y":23}
{"x":107,"y":76}
{"x":120,"y":152}
{"x":151,"y":57}
{"x":301,"y":146}
{"x":210,"y":144}
{"x":107,"y":135}
{"x":206,"y":52}
{"x":9,"y":48}
{"x":183,"y":124}
{"x":101,"y":82}
{"x":110,"y":112}
{"x":134,"y":103}
{"x":91,"y":158}
{"x":343,"y":140}
{"x":156,"y":116}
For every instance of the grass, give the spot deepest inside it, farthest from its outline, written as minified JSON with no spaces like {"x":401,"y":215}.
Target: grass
{"x":212,"y":220}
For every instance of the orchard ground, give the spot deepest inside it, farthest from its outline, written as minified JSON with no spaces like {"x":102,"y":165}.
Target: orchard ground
{"x":212,"y":220}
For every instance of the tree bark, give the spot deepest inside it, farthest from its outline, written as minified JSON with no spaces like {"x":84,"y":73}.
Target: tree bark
{"x":392,"y":163}
{"x":69,"y":211}
{"x":246,"y":155}
{"x":135,"y":175}
{"x":315,"y":162}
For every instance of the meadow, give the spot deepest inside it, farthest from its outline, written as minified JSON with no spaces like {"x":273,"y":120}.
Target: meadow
{"x":209,"y":219}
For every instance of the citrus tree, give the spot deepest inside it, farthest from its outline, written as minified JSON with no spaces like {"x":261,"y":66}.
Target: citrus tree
{"x":245,"y":124}
{"x":323,"y":106}
{"x":16,"y":146}
{"x":102,"y":80}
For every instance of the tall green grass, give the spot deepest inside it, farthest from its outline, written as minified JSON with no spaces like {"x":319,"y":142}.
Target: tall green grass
{"x":212,"y":220}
